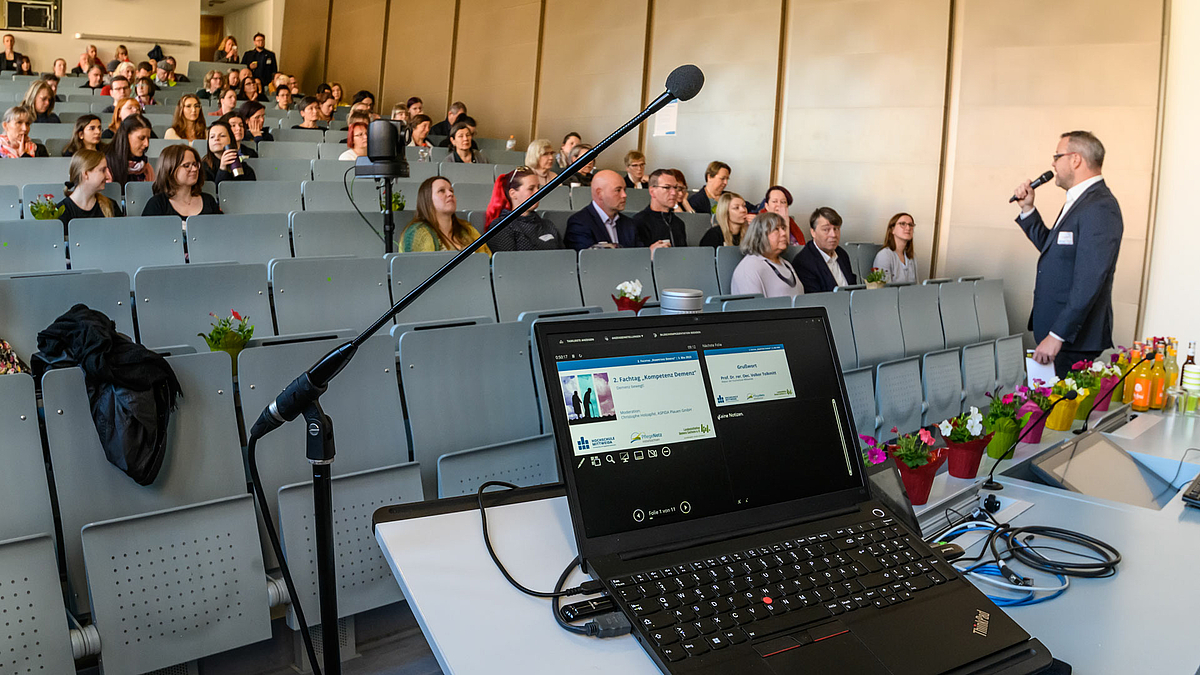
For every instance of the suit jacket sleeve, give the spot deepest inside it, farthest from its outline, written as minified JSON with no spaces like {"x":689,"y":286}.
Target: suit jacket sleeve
{"x":809,"y":276}
{"x":1035,"y":229}
{"x":1096,"y":248}
{"x":579,"y":232}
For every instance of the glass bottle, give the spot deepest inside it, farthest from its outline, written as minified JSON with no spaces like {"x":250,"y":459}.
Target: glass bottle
{"x":1134,"y":357}
{"x":1158,"y":382}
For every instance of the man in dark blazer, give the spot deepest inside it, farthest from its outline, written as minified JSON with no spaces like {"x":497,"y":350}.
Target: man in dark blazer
{"x":822,"y":265}
{"x":1072,"y":317}
{"x":602,"y":221}
{"x":657,"y":222}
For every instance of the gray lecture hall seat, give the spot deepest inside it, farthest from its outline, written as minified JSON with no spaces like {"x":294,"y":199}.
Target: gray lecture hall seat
{"x":436,"y":155}
{"x":457,"y":173}
{"x":838,"y":307}
{"x":331,"y":150}
{"x":55,"y":146}
{"x":29,"y":303}
{"x":979,"y":374}
{"x":717,"y":303}
{"x":875,"y":316}
{"x":557,"y":218}
{"x":164,"y":119}
{"x":531,"y":280}
{"x":686,"y":267}
{"x":470,"y":196}
{"x":318,"y":294}
{"x":695,"y":225}
{"x":243,"y":238}
{"x":280,"y":169}
{"x":443,"y":388}
{"x":283,"y":149}
{"x":311,"y":137}
{"x":332,"y":168}
{"x":157,"y":144}
{"x":941,"y":376}
{"x":1010,"y":363}
{"x":35,"y":170}
{"x":741,"y":304}
{"x":601,"y":269}
{"x":125,"y":244}
{"x":898,"y":396}
{"x":465,"y":292}
{"x":728,"y":258}
{"x":259,"y":196}
{"x":331,"y":196}
{"x":417,"y":172}
{"x":203,"y":460}
{"x":581,"y":196}
{"x":34,"y":604}
{"x":524,"y":462}
{"x":32,"y":191}
{"x":956,"y":300}
{"x":636,"y":200}
{"x":559,"y":199}
{"x":989,"y":308}
{"x":10,"y":201}
{"x":920,"y":319}
{"x":137,"y":194}
{"x":24,"y":494}
{"x":860,"y":389}
{"x":44,"y":131}
{"x":512,"y":157}
{"x":197,"y":69}
{"x":341,"y":233}
{"x":174,"y":302}
{"x":32,"y":246}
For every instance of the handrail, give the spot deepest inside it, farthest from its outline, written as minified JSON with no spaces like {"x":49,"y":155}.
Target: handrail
{"x":131,"y":38}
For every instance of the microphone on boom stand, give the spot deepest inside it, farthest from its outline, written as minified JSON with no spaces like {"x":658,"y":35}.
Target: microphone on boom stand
{"x":991,"y":483}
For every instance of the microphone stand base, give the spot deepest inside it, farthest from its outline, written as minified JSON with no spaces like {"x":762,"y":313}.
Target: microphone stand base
{"x":991,"y":484}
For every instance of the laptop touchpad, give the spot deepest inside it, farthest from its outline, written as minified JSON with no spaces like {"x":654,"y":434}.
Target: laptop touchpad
{"x":842,"y":653}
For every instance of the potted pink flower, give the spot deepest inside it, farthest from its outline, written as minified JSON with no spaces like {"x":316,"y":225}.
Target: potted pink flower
{"x":876,"y":278}
{"x":1108,"y":376}
{"x":1004,"y":423}
{"x":228,"y":336}
{"x":916,"y":459}
{"x":1037,"y":400}
{"x":965,"y":441}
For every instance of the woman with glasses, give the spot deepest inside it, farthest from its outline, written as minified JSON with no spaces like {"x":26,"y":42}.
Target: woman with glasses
{"x":40,"y":101}
{"x":356,"y":142}
{"x":763,"y":269}
{"x":730,"y":214}
{"x":528,"y":231}
{"x":539,"y":158}
{"x":214,"y":82}
{"x":178,"y":187}
{"x":681,"y":192}
{"x":896,"y":256}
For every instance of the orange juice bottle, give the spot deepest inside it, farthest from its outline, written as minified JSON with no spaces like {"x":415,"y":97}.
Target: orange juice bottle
{"x":1171,"y":365}
{"x":1141,"y":388}
{"x":1158,"y":382}
{"x":1134,"y":357}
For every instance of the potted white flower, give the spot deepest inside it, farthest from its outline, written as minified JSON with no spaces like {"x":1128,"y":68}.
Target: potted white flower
{"x":629,"y":296}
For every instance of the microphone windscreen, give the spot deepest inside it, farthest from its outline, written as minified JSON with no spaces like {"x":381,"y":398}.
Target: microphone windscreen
{"x":1044,"y":178}
{"x":685,"y":82}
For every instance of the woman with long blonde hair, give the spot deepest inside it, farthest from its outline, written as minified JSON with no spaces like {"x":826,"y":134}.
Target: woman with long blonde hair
{"x":188,"y":124}
{"x":88,"y":175}
{"x":730,"y":217}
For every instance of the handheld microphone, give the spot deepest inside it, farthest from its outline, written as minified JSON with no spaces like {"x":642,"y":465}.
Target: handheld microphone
{"x":991,"y":483}
{"x":1035,"y":183}
{"x":1087,"y":420}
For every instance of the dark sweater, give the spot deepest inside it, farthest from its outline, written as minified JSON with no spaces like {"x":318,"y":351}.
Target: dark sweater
{"x":74,"y":211}
{"x":219,"y":175}
{"x":714,"y":237}
{"x":160,"y":205}
{"x":655,"y":226}
{"x":529,"y":232}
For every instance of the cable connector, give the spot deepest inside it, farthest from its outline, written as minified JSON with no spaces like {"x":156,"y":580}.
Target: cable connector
{"x":1016,"y":579}
{"x":590,"y":587}
{"x":613,"y":624}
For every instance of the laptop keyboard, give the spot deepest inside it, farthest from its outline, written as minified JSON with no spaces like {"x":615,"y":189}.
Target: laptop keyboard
{"x":707,"y":605}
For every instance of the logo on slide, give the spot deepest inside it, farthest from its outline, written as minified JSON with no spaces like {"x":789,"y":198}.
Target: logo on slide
{"x":583,"y":444}
{"x":635,"y":437}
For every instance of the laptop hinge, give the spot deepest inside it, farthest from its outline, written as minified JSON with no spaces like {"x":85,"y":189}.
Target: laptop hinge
{"x":725,"y":536}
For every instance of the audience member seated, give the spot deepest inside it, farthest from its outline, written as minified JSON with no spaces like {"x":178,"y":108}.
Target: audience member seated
{"x":658,"y":222}
{"x":144,"y":90}
{"x":126,"y":154}
{"x":435,"y":226}
{"x":681,"y":193}
{"x":822,"y":264}
{"x":310,"y":112}
{"x":175,"y":74}
{"x":15,"y":142}
{"x":214,"y":82}
{"x":716,"y":177}
{"x":457,"y":109}
{"x":563,"y":159}
{"x":233,"y":78}
{"x":539,"y":158}
{"x":11,"y":59}
{"x":59,"y":68}
{"x":416,"y":107}
{"x":88,"y":175}
{"x":601,"y":223}
{"x":364,"y":97}
{"x":399,"y":113}
{"x":95,"y":79}
{"x":85,"y":136}
{"x":337,"y":94}
{"x":228,"y":51}
{"x":164,"y":75}
{"x":635,"y":170}
{"x":121,"y":56}
{"x":125,"y":70}
{"x":255,"y":116}
{"x":144,"y":70}
{"x":52,"y":80}
{"x":260,"y":60}
{"x":25,"y":67}
{"x":40,"y":101}
{"x":118,"y":89}
{"x":251,"y":91}
{"x":896,"y":256}
{"x":420,"y":125}
{"x":89,"y":58}
{"x":356,"y":142}
{"x":222,"y":153}
{"x":126,"y":107}
{"x":730,"y":216}
{"x":763,"y":268}
{"x":188,"y":123}
{"x":279,"y":80}
{"x":326,"y":104}
{"x":777,"y":201}
{"x":227,"y":102}
{"x":177,"y":189}
{"x":528,"y":231}
{"x":283,"y":99}
{"x":237,"y":127}
{"x":462,"y":136}
{"x":584,"y":175}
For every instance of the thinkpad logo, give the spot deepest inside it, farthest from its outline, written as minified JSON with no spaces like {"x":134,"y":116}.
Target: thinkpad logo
{"x":981,"y":622}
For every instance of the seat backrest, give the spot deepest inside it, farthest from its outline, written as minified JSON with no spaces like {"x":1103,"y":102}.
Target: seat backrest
{"x":24,"y":495}
{"x":979,"y":374}
{"x":10,"y":201}
{"x":838,"y":307}
{"x":436,"y":155}
{"x":340,"y":233}
{"x":470,"y":196}
{"x":695,"y":225}
{"x":467,"y":173}
{"x":875,"y":315}
{"x":601,"y":269}
{"x":259,"y":196}
{"x":559,"y":199}
{"x":136,"y":196}
{"x":125,"y":244}
{"x":331,"y":196}
{"x":1010,"y":363}
{"x":332,"y":168}
{"x":989,"y":309}
{"x":956,"y":301}
{"x":34,"y":191}
{"x":243,"y":238}
{"x":524,"y":462}
{"x":636,"y":199}
{"x":174,"y":302}
{"x":197,"y":69}
{"x":465,"y":292}
{"x":751,"y":303}
{"x":330,"y":151}
{"x":920,"y":319}
{"x":35,"y":169}
{"x":534,"y":280}
{"x":686,"y":267}
{"x":898,"y":396}
{"x":860,"y":389}
{"x":309,"y":137}
{"x":941,"y":375}
{"x":862,"y":257}
{"x":557,"y":218}
{"x":30,"y":303}
{"x":440,"y":374}
{"x":728,"y":258}
{"x":581,"y":195}
{"x":34,"y":606}
{"x":50,"y":130}
{"x":158,"y":144}
{"x":277,"y":169}
{"x":32,"y":246}
{"x":286,"y":149}
{"x":203,"y":458}
{"x":316,"y":294}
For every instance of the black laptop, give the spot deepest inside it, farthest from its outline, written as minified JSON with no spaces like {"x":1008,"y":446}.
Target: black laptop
{"x":716,"y":488}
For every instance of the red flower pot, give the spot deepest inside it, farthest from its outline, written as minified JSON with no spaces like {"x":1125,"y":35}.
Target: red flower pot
{"x":629,"y":303}
{"x":964,"y":457}
{"x":919,"y":481}
{"x":1106,"y":392}
{"x":1037,"y":419}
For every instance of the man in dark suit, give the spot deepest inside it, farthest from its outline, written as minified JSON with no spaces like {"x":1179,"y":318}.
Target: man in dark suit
{"x":822,"y":264}
{"x":1072,"y":317}
{"x":261,"y":61}
{"x":602,"y":220}
{"x":658,"y":223}
{"x":457,"y":109}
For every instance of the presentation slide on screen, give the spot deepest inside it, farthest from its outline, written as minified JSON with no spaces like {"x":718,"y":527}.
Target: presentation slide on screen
{"x":625,"y":402}
{"x":749,"y":374}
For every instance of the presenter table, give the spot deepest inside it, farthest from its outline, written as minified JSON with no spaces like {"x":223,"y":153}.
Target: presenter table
{"x":1140,"y":621}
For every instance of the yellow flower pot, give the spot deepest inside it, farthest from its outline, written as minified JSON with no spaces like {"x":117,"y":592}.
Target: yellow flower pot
{"x":1063,"y":415}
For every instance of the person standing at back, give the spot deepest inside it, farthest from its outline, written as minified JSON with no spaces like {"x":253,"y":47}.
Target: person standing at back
{"x":716,"y":179}
{"x":260,"y":60}
{"x":11,"y":59}
{"x":1072,"y":316}
{"x":822,"y":264}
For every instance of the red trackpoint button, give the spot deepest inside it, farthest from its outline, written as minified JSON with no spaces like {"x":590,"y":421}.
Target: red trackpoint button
{"x":767,"y":600}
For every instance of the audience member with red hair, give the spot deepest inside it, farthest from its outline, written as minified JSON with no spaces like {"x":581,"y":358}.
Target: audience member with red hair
{"x":777,"y":201}
{"x":528,"y":231}
{"x":356,"y":142}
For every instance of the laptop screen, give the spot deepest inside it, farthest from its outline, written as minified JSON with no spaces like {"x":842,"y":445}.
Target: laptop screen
{"x":671,"y":419}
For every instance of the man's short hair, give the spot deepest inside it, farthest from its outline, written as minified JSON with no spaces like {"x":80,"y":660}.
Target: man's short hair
{"x":144,"y":65}
{"x":467,"y":120}
{"x":633,"y":156}
{"x":714,"y":168}
{"x":659,"y":173}
{"x":1088,"y":146}
{"x":826,"y":213}
{"x":324,"y":87}
{"x":458,"y":106}
{"x":119,"y":78}
{"x":573,"y":134}
{"x":49,"y":77}
{"x":259,"y":35}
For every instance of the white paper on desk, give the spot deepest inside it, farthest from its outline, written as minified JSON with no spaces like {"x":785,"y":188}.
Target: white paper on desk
{"x":1037,"y":371}
{"x":665,"y":119}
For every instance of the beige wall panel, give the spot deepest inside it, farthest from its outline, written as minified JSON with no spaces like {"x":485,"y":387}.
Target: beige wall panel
{"x":418,"y":54}
{"x":596,"y":94}
{"x":356,"y":45}
{"x":495,"y":64}
{"x":302,"y":48}
{"x":732,"y":119}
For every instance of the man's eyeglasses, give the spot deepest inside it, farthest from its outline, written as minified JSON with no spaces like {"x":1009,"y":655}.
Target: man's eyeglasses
{"x":1062,"y":154}
{"x":666,"y":187}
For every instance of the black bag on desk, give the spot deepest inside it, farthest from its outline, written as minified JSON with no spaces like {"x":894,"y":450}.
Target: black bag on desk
{"x":131,"y":389}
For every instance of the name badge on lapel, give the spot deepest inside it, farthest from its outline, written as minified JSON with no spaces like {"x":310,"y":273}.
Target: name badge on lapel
{"x":1066,"y":238}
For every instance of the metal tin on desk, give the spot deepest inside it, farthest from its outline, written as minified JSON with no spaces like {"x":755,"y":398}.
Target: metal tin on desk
{"x":681,"y":301}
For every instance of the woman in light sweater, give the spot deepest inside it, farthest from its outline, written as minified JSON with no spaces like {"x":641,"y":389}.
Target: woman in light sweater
{"x":764,"y":269}
{"x":896,"y":256}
